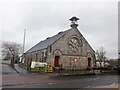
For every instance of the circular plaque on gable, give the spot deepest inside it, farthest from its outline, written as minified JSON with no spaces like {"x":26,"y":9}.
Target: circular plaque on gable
{"x":74,"y":44}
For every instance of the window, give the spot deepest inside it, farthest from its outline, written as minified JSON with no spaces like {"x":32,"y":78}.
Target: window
{"x":36,"y":56}
{"x":39,"y":56}
{"x":42,"y":56}
{"x":74,"y":44}
{"x":50,"y":49}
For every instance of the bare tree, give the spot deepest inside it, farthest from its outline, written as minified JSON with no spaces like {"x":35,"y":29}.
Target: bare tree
{"x":11,"y":50}
{"x":100,"y":55}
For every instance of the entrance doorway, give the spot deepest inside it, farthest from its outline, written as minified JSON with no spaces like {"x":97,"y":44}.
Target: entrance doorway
{"x":89,"y":62}
{"x":56,"y":61}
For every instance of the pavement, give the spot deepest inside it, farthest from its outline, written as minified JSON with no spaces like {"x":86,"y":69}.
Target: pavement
{"x":20,"y":69}
{"x":114,"y":85}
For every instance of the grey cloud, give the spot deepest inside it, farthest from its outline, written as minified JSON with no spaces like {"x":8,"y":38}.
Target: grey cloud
{"x":98,"y":22}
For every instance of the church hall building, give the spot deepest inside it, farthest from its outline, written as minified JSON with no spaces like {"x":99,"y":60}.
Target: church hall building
{"x":67,"y":48}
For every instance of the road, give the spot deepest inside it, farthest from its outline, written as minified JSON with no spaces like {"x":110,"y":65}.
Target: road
{"x":55,"y":81}
{"x":75,"y":82}
{"x":6,"y":69}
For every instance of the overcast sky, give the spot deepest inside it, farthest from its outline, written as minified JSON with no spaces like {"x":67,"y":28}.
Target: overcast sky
{"x":98,"y":21}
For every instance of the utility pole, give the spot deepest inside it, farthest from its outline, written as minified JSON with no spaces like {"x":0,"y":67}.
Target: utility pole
{"x":24,"y":40}
{"x":23,"y":45}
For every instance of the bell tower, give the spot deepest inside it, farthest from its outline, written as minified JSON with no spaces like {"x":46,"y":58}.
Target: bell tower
{"x":74,"y":22}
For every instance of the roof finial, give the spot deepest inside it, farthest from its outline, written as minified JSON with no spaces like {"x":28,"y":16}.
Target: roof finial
{"x":74,"y":22}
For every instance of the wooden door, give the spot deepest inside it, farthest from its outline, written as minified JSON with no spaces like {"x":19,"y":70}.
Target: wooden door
{"x":89,"y":62}
{"x":56,"y":61}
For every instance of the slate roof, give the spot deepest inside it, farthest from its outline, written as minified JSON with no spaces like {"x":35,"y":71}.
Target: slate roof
{"x":47,"y":42}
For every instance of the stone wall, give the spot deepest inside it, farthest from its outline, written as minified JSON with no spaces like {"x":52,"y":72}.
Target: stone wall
{"x":66,"y":55}
{"x":60,"y":48}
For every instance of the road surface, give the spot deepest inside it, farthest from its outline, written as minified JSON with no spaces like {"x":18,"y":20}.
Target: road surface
{"x":55,"y":81}
{"x":74,"y":82}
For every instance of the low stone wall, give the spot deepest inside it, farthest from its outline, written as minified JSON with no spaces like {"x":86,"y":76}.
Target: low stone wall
{"x":76,"y":72}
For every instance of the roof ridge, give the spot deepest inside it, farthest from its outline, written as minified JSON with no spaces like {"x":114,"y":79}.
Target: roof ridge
{"x":47,"y":42}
